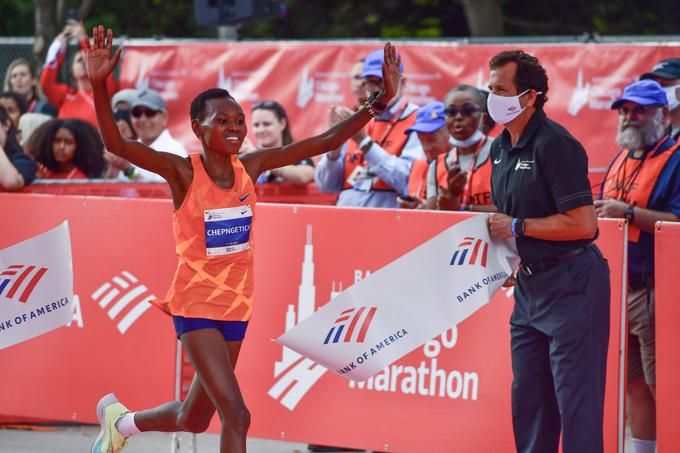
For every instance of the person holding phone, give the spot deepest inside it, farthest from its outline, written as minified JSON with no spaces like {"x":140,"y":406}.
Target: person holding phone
{"x":461,"y":178}
{"x":73,"y":99}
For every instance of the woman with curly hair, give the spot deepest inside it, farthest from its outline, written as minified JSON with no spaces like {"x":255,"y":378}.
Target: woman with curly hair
{"x":68,"y":149}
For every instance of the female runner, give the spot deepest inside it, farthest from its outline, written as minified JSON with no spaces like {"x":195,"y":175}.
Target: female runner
{"x":211,"y":296}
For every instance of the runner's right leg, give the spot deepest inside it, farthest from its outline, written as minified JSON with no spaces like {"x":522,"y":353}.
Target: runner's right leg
{"x":191,"y":415}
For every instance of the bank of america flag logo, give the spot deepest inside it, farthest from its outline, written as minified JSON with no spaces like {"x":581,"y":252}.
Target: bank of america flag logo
{"x":470,"y":251}
{"x":18,"y":281}
{"x":124,"y":298}
{"x":351,"y":321}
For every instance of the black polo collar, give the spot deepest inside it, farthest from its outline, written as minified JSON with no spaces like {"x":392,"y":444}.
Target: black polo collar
{"x":535,"y":121}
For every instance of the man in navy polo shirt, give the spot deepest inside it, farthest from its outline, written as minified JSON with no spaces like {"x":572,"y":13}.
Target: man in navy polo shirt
{"x":643,"y":186}
{"x":560,"y":323}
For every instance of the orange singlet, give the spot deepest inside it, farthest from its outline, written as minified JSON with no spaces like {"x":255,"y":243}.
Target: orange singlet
{"x":214,"y":277}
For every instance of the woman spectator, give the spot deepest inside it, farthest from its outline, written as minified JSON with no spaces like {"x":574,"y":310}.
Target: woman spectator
{"x":271,"y":129}
{"x":22,"y":78}
{"x":461,"y":178}
{"x":15,"y":104}
{"x":68,"y":149}
{"x":72,"y":102}
{"x":16,"y":168}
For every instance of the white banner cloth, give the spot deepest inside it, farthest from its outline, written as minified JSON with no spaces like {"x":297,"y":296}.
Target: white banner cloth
{"x":36,"y":286}
{"x":406,"y":303}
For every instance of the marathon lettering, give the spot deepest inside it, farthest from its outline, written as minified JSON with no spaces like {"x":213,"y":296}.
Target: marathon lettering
{"x":229,"y":230}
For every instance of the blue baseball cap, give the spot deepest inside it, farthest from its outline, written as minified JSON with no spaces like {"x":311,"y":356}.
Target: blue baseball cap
{"x":373,"y":64}
{"x":429,"y":118}
{"x":643,"y":92}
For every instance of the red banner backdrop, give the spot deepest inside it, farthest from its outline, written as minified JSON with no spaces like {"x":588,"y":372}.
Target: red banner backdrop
{"x":667,"y":251}
{"x":308,"y":78}
{"x":451,"y":394}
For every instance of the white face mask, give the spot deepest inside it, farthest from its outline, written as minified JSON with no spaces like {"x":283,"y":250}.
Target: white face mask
{"x":468,"y":142}
{"x":504,"y":109}
{"x":672,"y":95}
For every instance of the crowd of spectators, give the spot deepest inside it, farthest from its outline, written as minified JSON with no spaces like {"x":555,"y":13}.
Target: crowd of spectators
{"x":411,"y":157}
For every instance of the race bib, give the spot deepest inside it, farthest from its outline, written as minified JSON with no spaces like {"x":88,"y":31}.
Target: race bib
{"x":227,"y":230}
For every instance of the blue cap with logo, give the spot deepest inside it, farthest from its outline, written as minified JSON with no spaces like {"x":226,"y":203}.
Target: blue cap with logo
{"x":429,"y":118}
{"x":373,"y":64}
{"x":643,"y":92}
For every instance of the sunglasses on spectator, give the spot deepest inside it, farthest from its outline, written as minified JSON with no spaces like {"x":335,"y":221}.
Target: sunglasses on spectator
{"x":465,"y":111}
{"x":638,"y":110}
{"x":138,"y":112}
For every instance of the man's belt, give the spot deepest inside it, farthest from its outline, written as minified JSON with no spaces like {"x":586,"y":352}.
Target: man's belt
{"x":550,"y":262}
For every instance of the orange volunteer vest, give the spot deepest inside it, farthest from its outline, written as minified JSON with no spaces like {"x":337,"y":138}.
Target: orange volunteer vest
{"x":390,"y":135}
{"x":477,"y":189}
{"x":632,"y":178}
{"x":417,"y":179}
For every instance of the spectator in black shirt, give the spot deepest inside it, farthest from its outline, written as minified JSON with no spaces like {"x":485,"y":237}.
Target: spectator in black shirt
{"x":16,"y":168}
{"x":560,"y":323}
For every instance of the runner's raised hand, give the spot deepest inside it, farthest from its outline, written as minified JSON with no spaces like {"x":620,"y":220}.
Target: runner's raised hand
{"x":98,"y":56}
{"x":390,"y":73}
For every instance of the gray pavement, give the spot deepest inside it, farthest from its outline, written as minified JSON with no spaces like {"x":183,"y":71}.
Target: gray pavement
{"x":76,"y":439}
{"x":80,"y":439}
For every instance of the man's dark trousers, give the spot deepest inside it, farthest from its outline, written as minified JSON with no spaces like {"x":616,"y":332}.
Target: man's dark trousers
{"x":559,"y":336}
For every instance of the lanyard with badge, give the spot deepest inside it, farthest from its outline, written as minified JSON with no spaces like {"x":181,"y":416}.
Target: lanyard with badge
{"x":467,"y":189}
{"x":624,"y":187}
{"x":361,"y":179}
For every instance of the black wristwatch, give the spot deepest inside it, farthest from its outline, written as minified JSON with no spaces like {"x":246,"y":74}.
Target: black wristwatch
{"x":367,"y":146}
{"x":517,"y":227}
{"x":377,"y":105}
{"x":630,"y":213}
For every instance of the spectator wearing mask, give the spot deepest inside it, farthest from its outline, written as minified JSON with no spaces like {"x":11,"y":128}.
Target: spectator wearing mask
{"x":124,"y":99}
{"x":71,"y":101}
{"x":434,"y":137}
{"x":28,"y":124}
{"x":667,"y":74}
{"x":149,"y":117}
{"x":68,"y":149}
{"x":16,"y":168}
{"x":642,"y":185}
{"x":21,"y":77}
{"x":272,"y":129}
{"x":461,"y":178}
{"x":15,"y":105}
{"x":381,"y":148}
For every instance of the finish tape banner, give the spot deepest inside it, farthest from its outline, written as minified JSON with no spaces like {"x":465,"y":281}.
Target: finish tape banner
{"x":371,"y":324}
{"x":36,"y":286}
{"x":450,"y":394}
{"x":308,"y":78}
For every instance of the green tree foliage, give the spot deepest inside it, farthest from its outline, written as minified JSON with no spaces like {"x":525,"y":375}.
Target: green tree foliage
{"x":325,"y":19}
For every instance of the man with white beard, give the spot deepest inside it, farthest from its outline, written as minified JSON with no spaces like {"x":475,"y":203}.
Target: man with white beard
{"x":643,"y":186}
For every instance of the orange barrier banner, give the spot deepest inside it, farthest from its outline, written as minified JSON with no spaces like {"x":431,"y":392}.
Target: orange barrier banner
{"x":452,"y":393}
{"x":308,"y":78}
{"x":666,"y":254}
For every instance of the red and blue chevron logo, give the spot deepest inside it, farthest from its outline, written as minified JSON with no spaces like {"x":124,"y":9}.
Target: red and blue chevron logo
{"x":356,"y":321}
{"x":470,"y":251}
{"x":19,"y":280}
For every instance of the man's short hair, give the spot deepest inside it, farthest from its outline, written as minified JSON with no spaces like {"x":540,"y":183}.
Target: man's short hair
{"x":529,"y":75}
